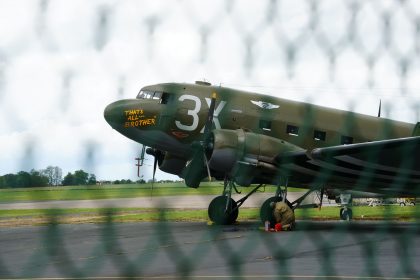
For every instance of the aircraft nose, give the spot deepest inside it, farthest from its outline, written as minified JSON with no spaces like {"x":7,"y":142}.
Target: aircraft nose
{"x":109,"y":113}
{"x":113,"y":113}
{"x":129,"y":113}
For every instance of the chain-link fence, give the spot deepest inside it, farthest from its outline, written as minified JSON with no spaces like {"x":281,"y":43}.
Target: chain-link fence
{"x":62,"y":62}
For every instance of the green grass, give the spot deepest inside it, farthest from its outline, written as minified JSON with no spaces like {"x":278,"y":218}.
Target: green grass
{"x":103,"y":192}
{"x":390,"y":212}
{"x":113,"y":191}
{"x":40,"y":216}
{"x":47,"y":216}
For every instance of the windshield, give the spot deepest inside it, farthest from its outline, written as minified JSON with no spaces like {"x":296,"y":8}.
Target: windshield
{"x":155,"y":95}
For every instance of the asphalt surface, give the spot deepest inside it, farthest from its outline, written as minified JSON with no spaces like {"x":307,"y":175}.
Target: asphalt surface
{"x":186,"y":201}
{"x":316,"y":250}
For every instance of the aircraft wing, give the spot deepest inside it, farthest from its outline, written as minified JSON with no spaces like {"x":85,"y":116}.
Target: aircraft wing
{"x":386,"y":167}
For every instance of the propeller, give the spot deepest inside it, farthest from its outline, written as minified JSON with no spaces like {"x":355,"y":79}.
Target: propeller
{"x":155,"y":153}
{"x":321,"y":199}
{"x":154,"y":173}
{"x":210,"y":115}
{"x":207,"y":130}
{"x":194,"y":171}
{"x":380,"y":107}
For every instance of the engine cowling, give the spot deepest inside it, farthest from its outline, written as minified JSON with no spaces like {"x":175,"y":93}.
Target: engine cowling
{"x":226,"y":148}
{"x":172,"y":164}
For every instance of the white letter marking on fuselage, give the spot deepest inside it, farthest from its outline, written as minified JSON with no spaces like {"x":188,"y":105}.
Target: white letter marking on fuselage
{"x":216,"y":113}
{"x":194,"y":113}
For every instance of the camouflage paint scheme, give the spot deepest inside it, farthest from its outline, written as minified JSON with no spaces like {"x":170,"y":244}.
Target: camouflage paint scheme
{"x":330,"y":147}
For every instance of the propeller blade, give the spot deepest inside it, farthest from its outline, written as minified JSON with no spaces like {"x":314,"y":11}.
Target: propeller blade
{"x":207,"y":165}
{"x":210,"y":115}
{"x":207,"y":128}
{"x":380,"y":107}
{"x":321,"y":198}
{"x":154,"y":173}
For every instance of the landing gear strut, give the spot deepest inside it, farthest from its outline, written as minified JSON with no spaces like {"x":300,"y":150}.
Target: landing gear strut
{"x":346,"y":214}
{"x":266,"y":211}
{"x":223,"y":210}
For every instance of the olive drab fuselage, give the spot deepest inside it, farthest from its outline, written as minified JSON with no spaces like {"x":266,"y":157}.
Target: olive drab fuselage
{"x":170,"y":117}
{"x":199,"y":130}
{"x":183,"y":113}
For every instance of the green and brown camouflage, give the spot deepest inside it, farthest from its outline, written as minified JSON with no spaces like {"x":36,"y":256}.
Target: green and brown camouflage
{"x":261,"y":139}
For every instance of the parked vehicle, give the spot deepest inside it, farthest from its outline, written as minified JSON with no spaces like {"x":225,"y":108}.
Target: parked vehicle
{"x":406,"y":201}
{"x":373,"y":202}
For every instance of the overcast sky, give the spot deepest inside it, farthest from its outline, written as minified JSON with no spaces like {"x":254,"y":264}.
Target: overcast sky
{"x":63,"y":61}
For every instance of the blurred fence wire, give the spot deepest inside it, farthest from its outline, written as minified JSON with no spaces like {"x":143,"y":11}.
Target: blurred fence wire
{"x":61,"y":62}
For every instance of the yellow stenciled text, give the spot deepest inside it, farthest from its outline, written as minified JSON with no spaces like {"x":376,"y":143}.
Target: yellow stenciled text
{"x":143,"y":122}
{"x":134,"y":112}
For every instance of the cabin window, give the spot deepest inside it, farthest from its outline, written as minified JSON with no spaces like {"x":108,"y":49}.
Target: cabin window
{"x":265,"y":125}
{"x":319,"y":135}
{"x":346,"y":140}
{"x":292,"y":130}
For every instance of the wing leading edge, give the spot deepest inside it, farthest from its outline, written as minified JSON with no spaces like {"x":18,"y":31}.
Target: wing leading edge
{"x":390,"y":167}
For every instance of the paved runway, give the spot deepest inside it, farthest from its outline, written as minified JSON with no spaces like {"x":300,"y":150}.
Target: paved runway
{"x":316,"y":250}
{"x":186,"y":201}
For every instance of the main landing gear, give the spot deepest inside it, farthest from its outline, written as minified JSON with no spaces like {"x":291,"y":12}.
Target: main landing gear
{"x":266,"y":211}
{"x":223,"y":210}
{"x":346,"y":214}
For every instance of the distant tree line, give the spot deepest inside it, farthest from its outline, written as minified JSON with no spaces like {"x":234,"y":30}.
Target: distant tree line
{"x":50,"y":176}
{"x":128,"y":181}
{"x":79,"y":177}
{"x":53,"y":176}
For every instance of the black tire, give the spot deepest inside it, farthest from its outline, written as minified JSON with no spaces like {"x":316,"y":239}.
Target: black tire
{"x":346,"y":214}
{"x":217,"y":214}
{"x":266,"y":211}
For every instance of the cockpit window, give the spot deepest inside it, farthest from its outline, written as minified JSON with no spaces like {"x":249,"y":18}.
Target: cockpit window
{"x":157,"y":95}
{"x":162,"y":97}
{"x":145,"y":94}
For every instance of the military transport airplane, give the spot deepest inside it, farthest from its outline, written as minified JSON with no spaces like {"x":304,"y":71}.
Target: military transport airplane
{"x":200,"y":130}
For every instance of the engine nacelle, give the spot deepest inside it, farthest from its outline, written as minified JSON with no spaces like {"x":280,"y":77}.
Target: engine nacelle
{"x":172,"y":164}
{"x":226,"y":148}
